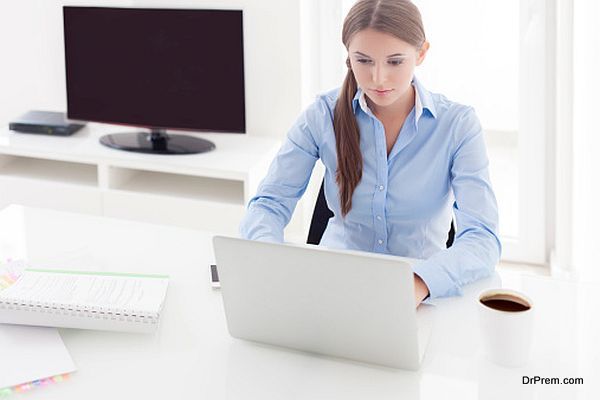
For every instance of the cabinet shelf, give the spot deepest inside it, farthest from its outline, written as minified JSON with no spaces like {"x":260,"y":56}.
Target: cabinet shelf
{"x":48,"y":170}
{"x":220,"y":191}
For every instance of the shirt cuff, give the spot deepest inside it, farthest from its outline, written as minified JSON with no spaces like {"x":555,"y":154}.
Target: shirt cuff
{"x":260,"y":224}
{"x":436,"y":279}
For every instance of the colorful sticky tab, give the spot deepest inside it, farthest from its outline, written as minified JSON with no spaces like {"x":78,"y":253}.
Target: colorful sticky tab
{"x":7,"y":279}
{"x":31,"y":385}
{"x":22,"y":388}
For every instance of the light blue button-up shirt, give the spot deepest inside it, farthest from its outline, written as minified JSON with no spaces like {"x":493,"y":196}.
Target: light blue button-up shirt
{"x":404,"y":203}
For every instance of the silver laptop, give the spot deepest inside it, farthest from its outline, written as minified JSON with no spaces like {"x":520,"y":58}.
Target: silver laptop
{"x":349,"y":304}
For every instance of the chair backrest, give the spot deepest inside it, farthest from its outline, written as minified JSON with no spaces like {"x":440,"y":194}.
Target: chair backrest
{"x":322,"y":214}
{"x":320,"y":218}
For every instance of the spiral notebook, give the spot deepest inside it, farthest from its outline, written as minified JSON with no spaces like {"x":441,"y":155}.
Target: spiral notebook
{"x":85,"y":300}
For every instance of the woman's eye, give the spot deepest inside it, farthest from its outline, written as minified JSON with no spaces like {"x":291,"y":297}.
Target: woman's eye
{"x":395,"y":62}
{"x":363,"y":61}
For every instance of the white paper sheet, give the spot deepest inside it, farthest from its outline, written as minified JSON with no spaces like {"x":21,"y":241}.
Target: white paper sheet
{"x":29,"y":353}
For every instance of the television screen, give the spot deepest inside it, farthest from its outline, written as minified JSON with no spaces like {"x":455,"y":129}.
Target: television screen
{"x":156,"y":68}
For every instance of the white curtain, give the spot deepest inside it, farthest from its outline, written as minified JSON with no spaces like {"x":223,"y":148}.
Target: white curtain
{"x":586,"y":139}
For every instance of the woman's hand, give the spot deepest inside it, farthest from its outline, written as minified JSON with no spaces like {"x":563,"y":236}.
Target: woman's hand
{"x":421,"y":290}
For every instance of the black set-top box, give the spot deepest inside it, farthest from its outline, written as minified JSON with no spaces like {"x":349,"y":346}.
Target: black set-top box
{"x":46,"y":123}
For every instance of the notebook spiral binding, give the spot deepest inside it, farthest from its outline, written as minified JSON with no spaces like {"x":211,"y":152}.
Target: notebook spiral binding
{"x":80,"y":311}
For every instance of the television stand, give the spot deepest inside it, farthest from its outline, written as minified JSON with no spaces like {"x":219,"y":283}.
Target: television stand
{"x":207,"y":191}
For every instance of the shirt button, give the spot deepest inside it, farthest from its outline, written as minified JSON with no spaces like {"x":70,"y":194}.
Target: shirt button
{"x":378,"y":218}
{"x":380,"y":187}
{"x":380,"y":241}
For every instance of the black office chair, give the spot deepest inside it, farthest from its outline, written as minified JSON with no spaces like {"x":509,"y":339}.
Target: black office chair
{"x":321,"y":216}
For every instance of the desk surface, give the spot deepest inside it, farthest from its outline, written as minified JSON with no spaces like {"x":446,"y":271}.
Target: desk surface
{"x":192,"y":354}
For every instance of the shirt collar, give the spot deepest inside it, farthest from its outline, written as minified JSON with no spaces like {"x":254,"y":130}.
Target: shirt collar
{"x":359,"y":99}
{"x":423,"y":101}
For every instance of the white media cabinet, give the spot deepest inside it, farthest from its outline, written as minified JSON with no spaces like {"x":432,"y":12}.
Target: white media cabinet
{"x":204,"y":191}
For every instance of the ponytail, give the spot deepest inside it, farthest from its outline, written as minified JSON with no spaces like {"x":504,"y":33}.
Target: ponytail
{"x":347,"y":141}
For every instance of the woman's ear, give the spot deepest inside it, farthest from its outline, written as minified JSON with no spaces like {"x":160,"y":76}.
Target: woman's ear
{"x":422,"y":52}
{"x":348,"y":63}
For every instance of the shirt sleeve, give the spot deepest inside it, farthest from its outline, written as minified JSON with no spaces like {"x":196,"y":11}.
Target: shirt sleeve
{"x":476,"y":248}
{"x":270,"y":210}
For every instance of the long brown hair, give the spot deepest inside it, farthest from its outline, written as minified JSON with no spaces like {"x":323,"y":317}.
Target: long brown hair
{"x":399,"y":18}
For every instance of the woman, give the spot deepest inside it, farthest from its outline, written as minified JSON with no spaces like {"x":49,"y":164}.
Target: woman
{"x":398,"y":160}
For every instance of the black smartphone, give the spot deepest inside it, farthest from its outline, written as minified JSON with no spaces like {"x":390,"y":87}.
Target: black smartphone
{"x":214,"y":276}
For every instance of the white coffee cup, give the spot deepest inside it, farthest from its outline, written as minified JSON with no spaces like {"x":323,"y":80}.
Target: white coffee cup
{"x":506,"y":320}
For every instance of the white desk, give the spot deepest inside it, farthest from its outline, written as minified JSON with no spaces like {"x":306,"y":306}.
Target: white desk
{"x":192,"y":355}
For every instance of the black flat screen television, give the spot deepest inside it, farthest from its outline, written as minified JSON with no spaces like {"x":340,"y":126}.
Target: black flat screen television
{"x":158,"y":69}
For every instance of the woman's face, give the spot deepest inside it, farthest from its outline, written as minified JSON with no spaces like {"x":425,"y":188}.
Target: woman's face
{"x":383,"y":66}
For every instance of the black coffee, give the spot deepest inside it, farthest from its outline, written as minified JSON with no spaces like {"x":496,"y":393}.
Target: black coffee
{"x":506,"y":303}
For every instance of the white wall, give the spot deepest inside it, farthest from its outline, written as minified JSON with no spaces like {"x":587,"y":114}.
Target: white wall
{"x":32,"y":69}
